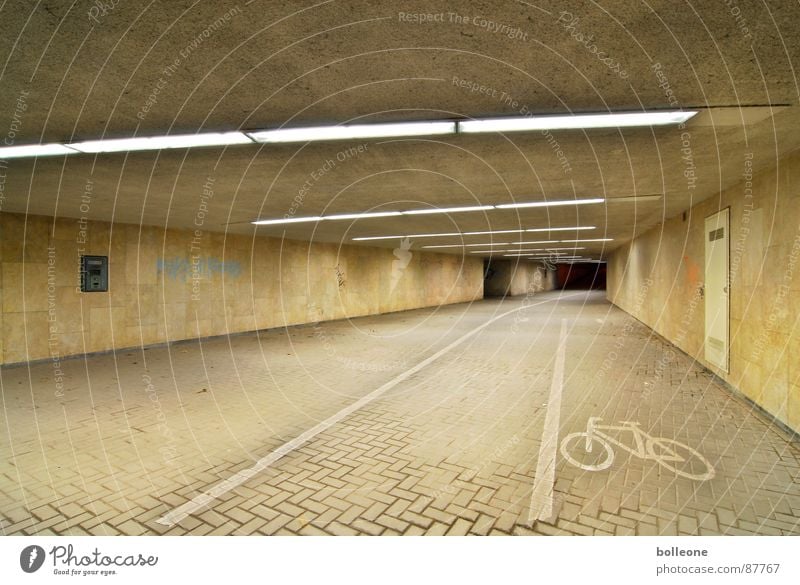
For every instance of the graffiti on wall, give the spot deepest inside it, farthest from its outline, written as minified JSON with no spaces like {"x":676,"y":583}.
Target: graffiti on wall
{"x":181,"y":268}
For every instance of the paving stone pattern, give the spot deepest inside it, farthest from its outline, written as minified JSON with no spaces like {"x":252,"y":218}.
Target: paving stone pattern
{"x":450,"y":450}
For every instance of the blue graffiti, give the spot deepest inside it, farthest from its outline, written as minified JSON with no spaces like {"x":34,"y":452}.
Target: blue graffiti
{"x":197,"y":267}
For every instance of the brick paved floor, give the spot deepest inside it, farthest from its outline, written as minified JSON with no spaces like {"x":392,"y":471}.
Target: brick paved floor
{"x":452,"y":449}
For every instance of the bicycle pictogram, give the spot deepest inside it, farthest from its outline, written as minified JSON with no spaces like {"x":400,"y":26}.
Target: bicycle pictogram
{"x":593,"y":450}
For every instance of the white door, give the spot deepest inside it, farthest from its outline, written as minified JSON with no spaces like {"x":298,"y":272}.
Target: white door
{"x":716,"y":289}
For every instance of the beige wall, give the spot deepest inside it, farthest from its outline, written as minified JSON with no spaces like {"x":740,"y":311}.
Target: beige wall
{"x":245,"y":284}
{"x":656,"y":278}
{"x":512,"y":277}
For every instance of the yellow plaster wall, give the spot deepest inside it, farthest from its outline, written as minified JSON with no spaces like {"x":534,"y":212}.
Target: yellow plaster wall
{"x":157,"y":295}
{"x":656,"y":278}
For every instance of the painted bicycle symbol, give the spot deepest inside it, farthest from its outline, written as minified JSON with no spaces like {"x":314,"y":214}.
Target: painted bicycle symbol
{"x":592,"y":450}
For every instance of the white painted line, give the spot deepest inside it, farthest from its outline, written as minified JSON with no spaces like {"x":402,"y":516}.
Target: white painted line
{"x":544,"y":481}
{"x":190,"y":507}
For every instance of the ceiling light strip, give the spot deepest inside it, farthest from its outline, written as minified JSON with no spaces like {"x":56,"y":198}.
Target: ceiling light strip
{"x":525,"y":244}
{"x":445,"y":210}
{"x":575,"y":121}
{"x":557,"y":203}
{"x":486,"y":233}
{"x":354,"y":131}
{"x":448,"y":209}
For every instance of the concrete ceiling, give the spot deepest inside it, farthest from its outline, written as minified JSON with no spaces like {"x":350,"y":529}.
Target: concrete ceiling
{"x":90,"y":73}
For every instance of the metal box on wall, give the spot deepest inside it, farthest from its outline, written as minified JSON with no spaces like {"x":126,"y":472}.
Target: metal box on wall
{"x":94,"y":273}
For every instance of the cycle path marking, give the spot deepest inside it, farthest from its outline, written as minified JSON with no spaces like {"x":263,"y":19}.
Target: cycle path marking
{"x":541,"y":507}
{"x":206,"y":498}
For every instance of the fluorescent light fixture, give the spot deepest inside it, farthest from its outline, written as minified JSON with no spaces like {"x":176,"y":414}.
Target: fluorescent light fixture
{"x":358,"y":131}
{"x":592,"y":240}
{"x":366,"y":215}
{"x":431,"y":235}
{"x":353,"y":131}
{"x":448,"y":209}
{"x":362,"y":215}
{"x":554,"y":203}
{"x":634,"y":199}
{"x":286,"y":220}
{"x":539,"y":256}
{"x":466,"y":245}
{"x":160,"y":142}
{"x":492,"y":232}
{"x":35,"y":150}
{"x":543,"y":251}
{"x":575,"y":121}
{"x":533,"y":257}
{"x":532,"y":243}
{"x":562,"y":229}
{"x":486,"y":233}
{"x":367,"y":238}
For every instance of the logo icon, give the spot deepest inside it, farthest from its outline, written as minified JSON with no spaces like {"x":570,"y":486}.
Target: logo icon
{"x":31,"y":558}
{"x":403,"y":255}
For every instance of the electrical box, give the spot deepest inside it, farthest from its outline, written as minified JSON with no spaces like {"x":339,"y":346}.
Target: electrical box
{"x":94,"y":273}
